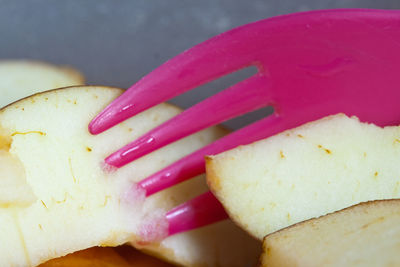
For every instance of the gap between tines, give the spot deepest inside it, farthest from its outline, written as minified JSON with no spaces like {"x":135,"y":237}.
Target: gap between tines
{"x":200,"y":93}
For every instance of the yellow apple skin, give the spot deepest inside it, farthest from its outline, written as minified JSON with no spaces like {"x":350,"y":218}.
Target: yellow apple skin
{"x":366,"y":234}
{"x":96,"y":256}
{"x":123,"y":256}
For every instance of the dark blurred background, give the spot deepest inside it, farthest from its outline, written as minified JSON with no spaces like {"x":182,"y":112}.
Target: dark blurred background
{"x":116,"y":42}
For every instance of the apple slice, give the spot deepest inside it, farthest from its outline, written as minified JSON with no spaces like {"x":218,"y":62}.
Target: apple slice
{"x":96,"y":256}
{"x":123,"y":256}
{"x":56,"y":197}
{"x":21,"y":78}
{"x":367,"y":234}
{"x":315,"y":169}
{"x":136,"y":258}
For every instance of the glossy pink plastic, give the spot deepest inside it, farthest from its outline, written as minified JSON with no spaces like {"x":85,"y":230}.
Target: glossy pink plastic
{"x":195,"y":213}
{"x":310,"y":65}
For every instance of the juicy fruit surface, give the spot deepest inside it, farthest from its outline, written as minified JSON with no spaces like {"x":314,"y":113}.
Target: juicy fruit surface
{"x":104,"y":257}
{"x":123,"y":256}
{"x":367,"y":234}
{"x":67,"y":201}
{"x":20,"y":78}
{"x":315,"y":169}
{"x":69,"y":193}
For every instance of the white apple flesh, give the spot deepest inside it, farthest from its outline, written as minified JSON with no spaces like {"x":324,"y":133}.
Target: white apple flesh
{"x":306,"y":172}
{"x":56,"y":198}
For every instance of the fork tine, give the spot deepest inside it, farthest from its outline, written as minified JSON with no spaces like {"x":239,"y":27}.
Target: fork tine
{"x":193,"y":164}
{"x":199,"y":211}
{"x":198,"y":65}
{"x":202,"y":210}
{"x":243,"y":97}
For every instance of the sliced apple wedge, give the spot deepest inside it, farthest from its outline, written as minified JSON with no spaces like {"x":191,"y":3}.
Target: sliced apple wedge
{"x":136,"y":258}
{"x":315,"y":169}
{"x":103,"y":257}
{"x":367,"y":234}
{"x":56,"y":197}
{"x":123,"y":256}
{"x":21,"y":78}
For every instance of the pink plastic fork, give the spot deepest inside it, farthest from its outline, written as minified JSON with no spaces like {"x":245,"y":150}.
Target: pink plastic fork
{"x":310,"y":65}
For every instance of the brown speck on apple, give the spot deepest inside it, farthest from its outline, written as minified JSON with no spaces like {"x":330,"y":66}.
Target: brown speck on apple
{"x":62,"y":201}
{"x":106,"y":200}
{"x":5,"y":143}
{"x":43,"y":204}
{"x":326,"y":150}
{"x":71,"y":169}
{"x":281,"y":154}
{"x":380,"y":219}
{"x":30,"y":132}
{"x":88,"y":149}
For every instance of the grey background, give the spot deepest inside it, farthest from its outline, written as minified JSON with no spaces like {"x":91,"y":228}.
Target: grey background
{"x":116,"y":42}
